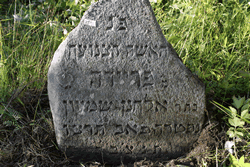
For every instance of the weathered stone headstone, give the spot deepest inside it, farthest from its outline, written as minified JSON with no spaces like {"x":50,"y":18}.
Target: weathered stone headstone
{"x":119,"y":92}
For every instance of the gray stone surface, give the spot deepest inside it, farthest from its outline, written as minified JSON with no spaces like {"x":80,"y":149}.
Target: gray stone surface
{"x":119,"y":92}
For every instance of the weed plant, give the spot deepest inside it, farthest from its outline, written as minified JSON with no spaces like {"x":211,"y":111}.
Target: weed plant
{"x":211,"y":37}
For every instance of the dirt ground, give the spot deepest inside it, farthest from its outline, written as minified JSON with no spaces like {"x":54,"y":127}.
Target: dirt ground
{"x":30,"y":140}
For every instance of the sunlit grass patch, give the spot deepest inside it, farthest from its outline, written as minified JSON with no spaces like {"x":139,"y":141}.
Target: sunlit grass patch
{"x":213,"y":40}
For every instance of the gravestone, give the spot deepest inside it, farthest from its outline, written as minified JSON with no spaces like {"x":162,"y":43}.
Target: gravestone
{"x":118,"y":90}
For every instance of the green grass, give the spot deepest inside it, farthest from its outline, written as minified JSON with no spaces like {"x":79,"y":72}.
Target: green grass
{"x":27,"y":46}
{"x":212,"y":38}
{"x":213,"y":41}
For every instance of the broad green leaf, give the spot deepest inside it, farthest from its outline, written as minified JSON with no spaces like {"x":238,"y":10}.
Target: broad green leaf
{"x":241,"y":160}
{"x":236,"y":122}
{"x":246,"y":106}
{"x":231,"y":128}
{"x":233,"y":111}
{"x":238,"y":102}
{"x":233,"y":160}
{"x":230,"y":133}
{"x":245,"y":114}
{"x":246,"y":165}
{"x":239,"y":134}
{"x":247,"y":101}
{"x":242,"y":163}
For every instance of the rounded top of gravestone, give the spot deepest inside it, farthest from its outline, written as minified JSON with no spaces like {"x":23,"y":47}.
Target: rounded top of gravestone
{"x":118,"y":22}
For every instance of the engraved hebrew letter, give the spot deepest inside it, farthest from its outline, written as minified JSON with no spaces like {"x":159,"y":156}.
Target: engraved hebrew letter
{"x":167,"y":129}
{"x":153,"y":51}
{"x":81,"y":50}
{"x":177,"y":107}
{"x":104,"y":50}
{"x":82,"y":106}
{"x":158,"y":130}
{"x":110,"y":23}
{"x":118,"y":130}
{"x":64,"y":107}
{"x":197,"y":128}
{"x":187,"y":108}
{"x":135,"y":78}
{"x":137,"y":107}
{"x":70,"y":111}
{"x":85,"y":107}
{"x":76,"y":106}
{"x":122,"y":51}
{"x":158,"y":107}
{"x":179,"y":128}
{"x":93,"y":106}
{"x":95,"y":49}
{"x":87,"y":129}
{"x":88,"y":51}
{"x":67,"y":53}
{"x":77,"y":53}
{"x":130,"y":50}
{"x":76,"y":129}
{"x":108,"y":79}
{"x":150,"y":149}
{"x":114,"y":51}
{"x":163,"y":52}
{"x":95,"y":79}
{"x":157,"y":150}
{"x":129,"y":106}
{"x":113,"y":149}
{"x":147,"y":79}
{"x":194,"y":107}
{"x":190,"y":128}
{"x":140,"y":50}
{"x":128,"y":149}
{"x":123,"y":106}
{"x":145,"y":130}
{"x":104,"y":105}
{"x":164,"y":81}
{"x":128,"y":130}
{"x":148,"y":105}
{"x":98,"y":130}
{"x":65,"y":130}
{"x":122,"y":24}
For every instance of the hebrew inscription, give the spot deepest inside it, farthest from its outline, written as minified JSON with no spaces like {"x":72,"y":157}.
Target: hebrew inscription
{"x":94,"y":50}
{"x":82,"y":106}
{"x":158,"y":129}
{"x":110,"y":78}
{"x":118,"y":90}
